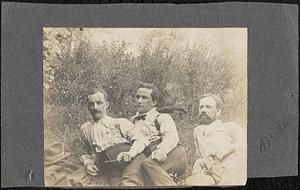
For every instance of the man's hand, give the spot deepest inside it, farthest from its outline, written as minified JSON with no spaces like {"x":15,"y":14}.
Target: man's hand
{"x":159,"y":155}
{"x":218,"y":169}
{"x":204,"y":167}
{"x":200,"y":166}
{"x":217,"y":155}
{"x":91,"y":169}
{"x":125,"y":156}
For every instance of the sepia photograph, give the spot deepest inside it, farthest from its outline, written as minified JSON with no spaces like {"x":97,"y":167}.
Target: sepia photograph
{"x":145,"y":107}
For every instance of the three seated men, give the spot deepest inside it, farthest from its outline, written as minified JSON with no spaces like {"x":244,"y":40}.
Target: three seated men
{"x":148,"y":147}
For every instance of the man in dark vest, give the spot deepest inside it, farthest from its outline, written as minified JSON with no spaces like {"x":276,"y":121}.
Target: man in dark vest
{"x":111,"y":146}
{"x":164,"y":155}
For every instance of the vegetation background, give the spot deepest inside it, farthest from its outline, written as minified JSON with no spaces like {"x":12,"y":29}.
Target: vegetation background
{"x":182,"y":63}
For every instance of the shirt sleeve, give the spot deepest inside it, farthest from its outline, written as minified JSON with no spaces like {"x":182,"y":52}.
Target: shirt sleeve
{"x":224,"y":143}
{"x":87,"y":155}
{"x":135,"y":137}
{"x":240,"y":137}
{"x":169,"y":133}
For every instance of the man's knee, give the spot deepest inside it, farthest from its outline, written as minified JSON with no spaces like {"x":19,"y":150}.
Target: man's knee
{"x":148,"y":162}
{"x":176,"y":161}
{"x":145,"y":162}
{"x":140,"y":157}
{"x":134,"y":167}
{"x":132,"y":174}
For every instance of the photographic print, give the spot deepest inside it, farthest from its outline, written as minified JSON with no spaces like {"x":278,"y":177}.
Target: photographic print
{"x":145,"y":106}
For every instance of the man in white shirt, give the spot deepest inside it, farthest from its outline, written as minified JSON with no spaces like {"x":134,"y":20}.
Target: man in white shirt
{"x":221,"y":148}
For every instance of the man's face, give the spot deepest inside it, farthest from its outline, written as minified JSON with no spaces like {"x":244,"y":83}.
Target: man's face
{"x":208,"y":111}
{"x":97,"y":105}
{"x":144,"y":100}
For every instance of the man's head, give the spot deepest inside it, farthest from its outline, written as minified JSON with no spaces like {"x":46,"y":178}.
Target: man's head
{"x":97,"y":104}
{"x":209,"y":108}
{"x":147,"y":96}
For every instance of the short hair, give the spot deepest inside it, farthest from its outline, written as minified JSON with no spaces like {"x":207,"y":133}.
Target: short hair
{"x":219,"y":102}
{"x":95,"y":90}
{"x":154,"y":93}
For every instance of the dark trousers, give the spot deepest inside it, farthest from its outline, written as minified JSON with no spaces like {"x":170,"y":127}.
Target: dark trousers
{"x":158,"y":173}
{"x":120,"y":173}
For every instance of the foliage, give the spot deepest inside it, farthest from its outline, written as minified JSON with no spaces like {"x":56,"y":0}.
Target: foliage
{"x":73,"y":62}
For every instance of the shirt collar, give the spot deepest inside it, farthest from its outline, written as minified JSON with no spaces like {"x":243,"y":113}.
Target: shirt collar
{"x":210,"y":127}
{"x":148,"y":114}
{"x":106,"y":120}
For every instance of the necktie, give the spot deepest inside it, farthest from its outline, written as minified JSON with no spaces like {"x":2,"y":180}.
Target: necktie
{"x":140,"y":117}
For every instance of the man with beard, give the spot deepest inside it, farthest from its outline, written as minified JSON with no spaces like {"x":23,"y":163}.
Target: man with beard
{"x":164,"y":155}
{"x":220,"y":147}
{"x":111,"y":146}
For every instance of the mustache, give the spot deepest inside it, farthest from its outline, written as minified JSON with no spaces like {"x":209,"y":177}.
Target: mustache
{"x":96,"y":111}
{"x":203,"y":114}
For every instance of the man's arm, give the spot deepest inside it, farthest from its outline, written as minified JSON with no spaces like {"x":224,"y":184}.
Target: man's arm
{"x":225,"y":142}
{"x":231,"y":138}
{"x":135,"y":137}
{"x":239,"y":135}
{"x":169,"y":133}
{"x":87,"y":155}
{"x":223,"y":145}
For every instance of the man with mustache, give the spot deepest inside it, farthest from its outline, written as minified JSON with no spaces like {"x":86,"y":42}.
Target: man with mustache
{"x":221,"y":148}
{"x":164,"y":154}
{"x":111,"y":146}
